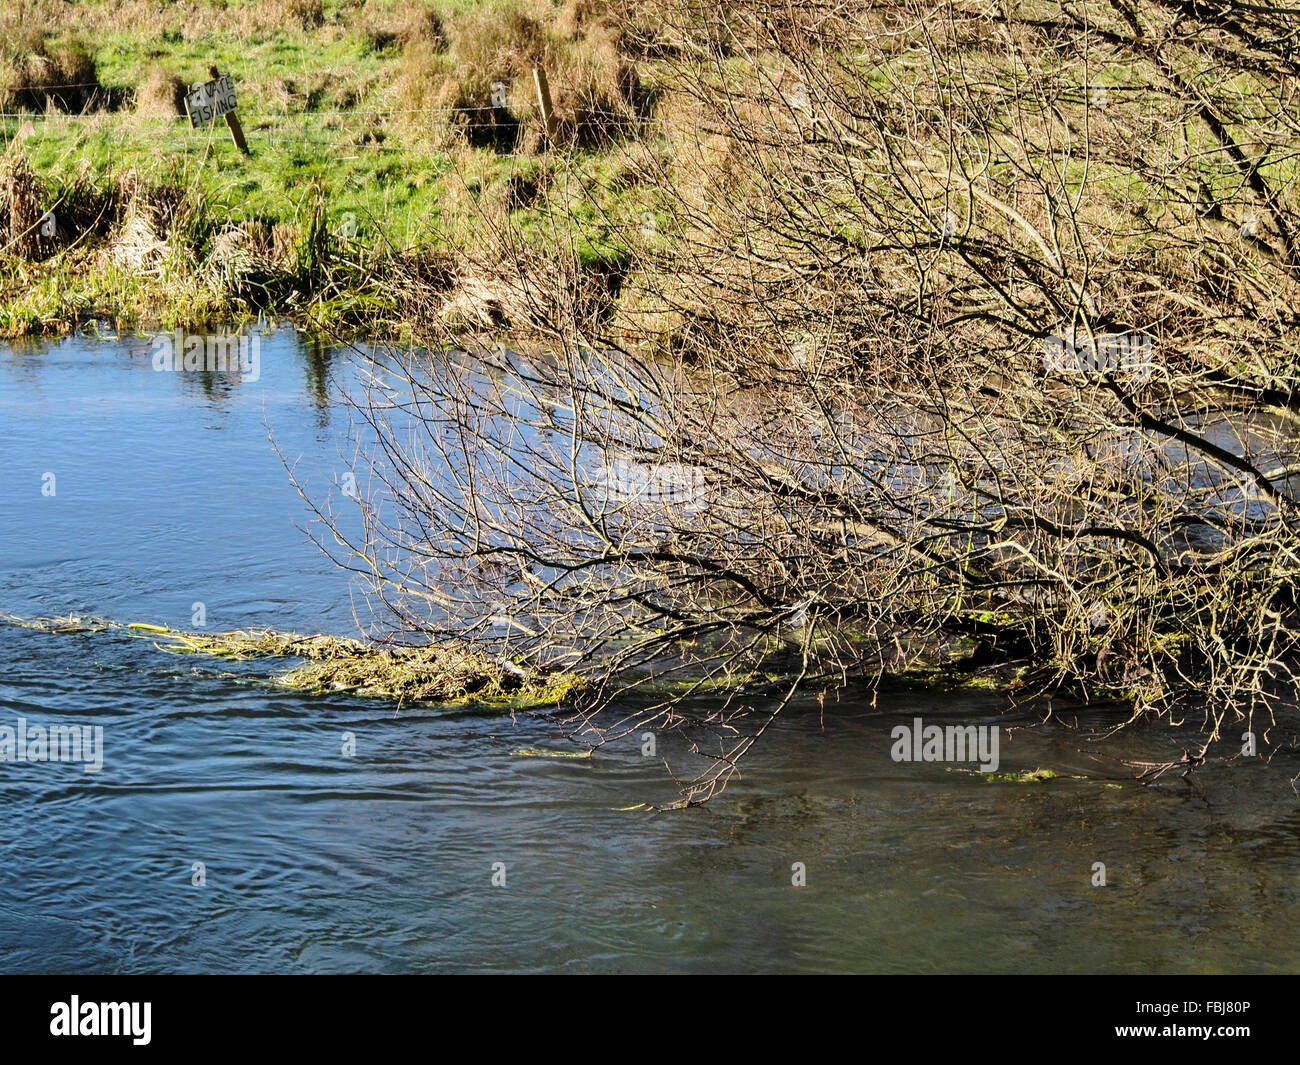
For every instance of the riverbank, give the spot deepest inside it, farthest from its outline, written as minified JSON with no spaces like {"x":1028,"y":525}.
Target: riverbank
{"x":404,"y":182}
{"x":397,"y":155}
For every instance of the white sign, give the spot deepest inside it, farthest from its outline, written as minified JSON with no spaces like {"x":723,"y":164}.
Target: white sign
{"x":206,"y":103}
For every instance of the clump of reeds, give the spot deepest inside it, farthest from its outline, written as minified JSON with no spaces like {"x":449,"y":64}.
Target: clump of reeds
{"x":305,"y":14}
{"x":142,"y":215}
{"x":39,"y":71}
{"x":381,"y":27}
{"x":21,"y":192}
{"x":161,"y":94}
{"x":315,"y":241}
{"x":594,"y":87}
{"x":154,"y":220}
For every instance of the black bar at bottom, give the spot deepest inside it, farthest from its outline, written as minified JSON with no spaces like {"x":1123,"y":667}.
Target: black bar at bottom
{"x":339,"y":1013}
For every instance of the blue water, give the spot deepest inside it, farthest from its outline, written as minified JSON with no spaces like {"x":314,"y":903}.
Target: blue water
{"x":168,"y":494}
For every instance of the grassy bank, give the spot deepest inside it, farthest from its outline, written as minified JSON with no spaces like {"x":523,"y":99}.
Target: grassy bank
{"x":386,"y":140}
{"x":401,"y":174}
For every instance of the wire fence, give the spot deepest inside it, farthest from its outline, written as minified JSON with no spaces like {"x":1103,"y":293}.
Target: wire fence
{"x":631,"y":115}
{"x":347,"y":128}
{"x":361,"y":129}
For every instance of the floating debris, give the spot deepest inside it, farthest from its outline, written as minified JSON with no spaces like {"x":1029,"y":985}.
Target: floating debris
{"x":1025,"y":776}
{"x":261,"y":643}
{"x":71,"y":624}
{"x":442,"y":673}
{"x":542,"y":752}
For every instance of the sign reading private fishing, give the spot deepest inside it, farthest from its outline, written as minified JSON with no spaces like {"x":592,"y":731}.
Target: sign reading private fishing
{"x":210,"y":101}
{"x":213,"y":100}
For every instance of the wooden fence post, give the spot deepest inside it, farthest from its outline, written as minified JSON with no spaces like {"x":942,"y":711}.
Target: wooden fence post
{"x":544,"y":102}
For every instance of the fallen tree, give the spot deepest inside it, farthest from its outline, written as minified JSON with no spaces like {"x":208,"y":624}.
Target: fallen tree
{"x":958,"y":329}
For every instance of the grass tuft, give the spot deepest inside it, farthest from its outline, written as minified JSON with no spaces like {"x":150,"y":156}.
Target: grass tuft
{"x":40,"y":72}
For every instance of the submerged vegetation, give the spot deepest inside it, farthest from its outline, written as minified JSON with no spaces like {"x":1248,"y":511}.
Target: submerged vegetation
{"x":1025,"y":776}
{"x":429,"y":674}
{"x":444,"y":673}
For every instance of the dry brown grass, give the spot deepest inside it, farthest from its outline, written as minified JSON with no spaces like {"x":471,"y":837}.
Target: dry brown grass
{"x":160,"y":94}
{"x":594,"y":86}
{"x":420,"y":23}
{"x":20,"y":206}
{"x":39,"y":71}
{"x":383,"y":27}
{"x":307,"y":14}
{"x":193,"y":19}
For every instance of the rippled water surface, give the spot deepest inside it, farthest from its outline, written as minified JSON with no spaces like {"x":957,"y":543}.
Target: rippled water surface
{"x":168,"y":494}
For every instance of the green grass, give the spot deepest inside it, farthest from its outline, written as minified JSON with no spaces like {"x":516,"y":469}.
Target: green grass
{"x":329,"y":107}
{"x":323,"y":108}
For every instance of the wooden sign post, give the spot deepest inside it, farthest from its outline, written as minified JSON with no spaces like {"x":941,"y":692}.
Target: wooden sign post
{"x":544,"y":102}
{"x":216,"y":99}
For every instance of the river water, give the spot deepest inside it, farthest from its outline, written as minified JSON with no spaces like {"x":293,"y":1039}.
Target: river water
{"x":166,"y":494}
